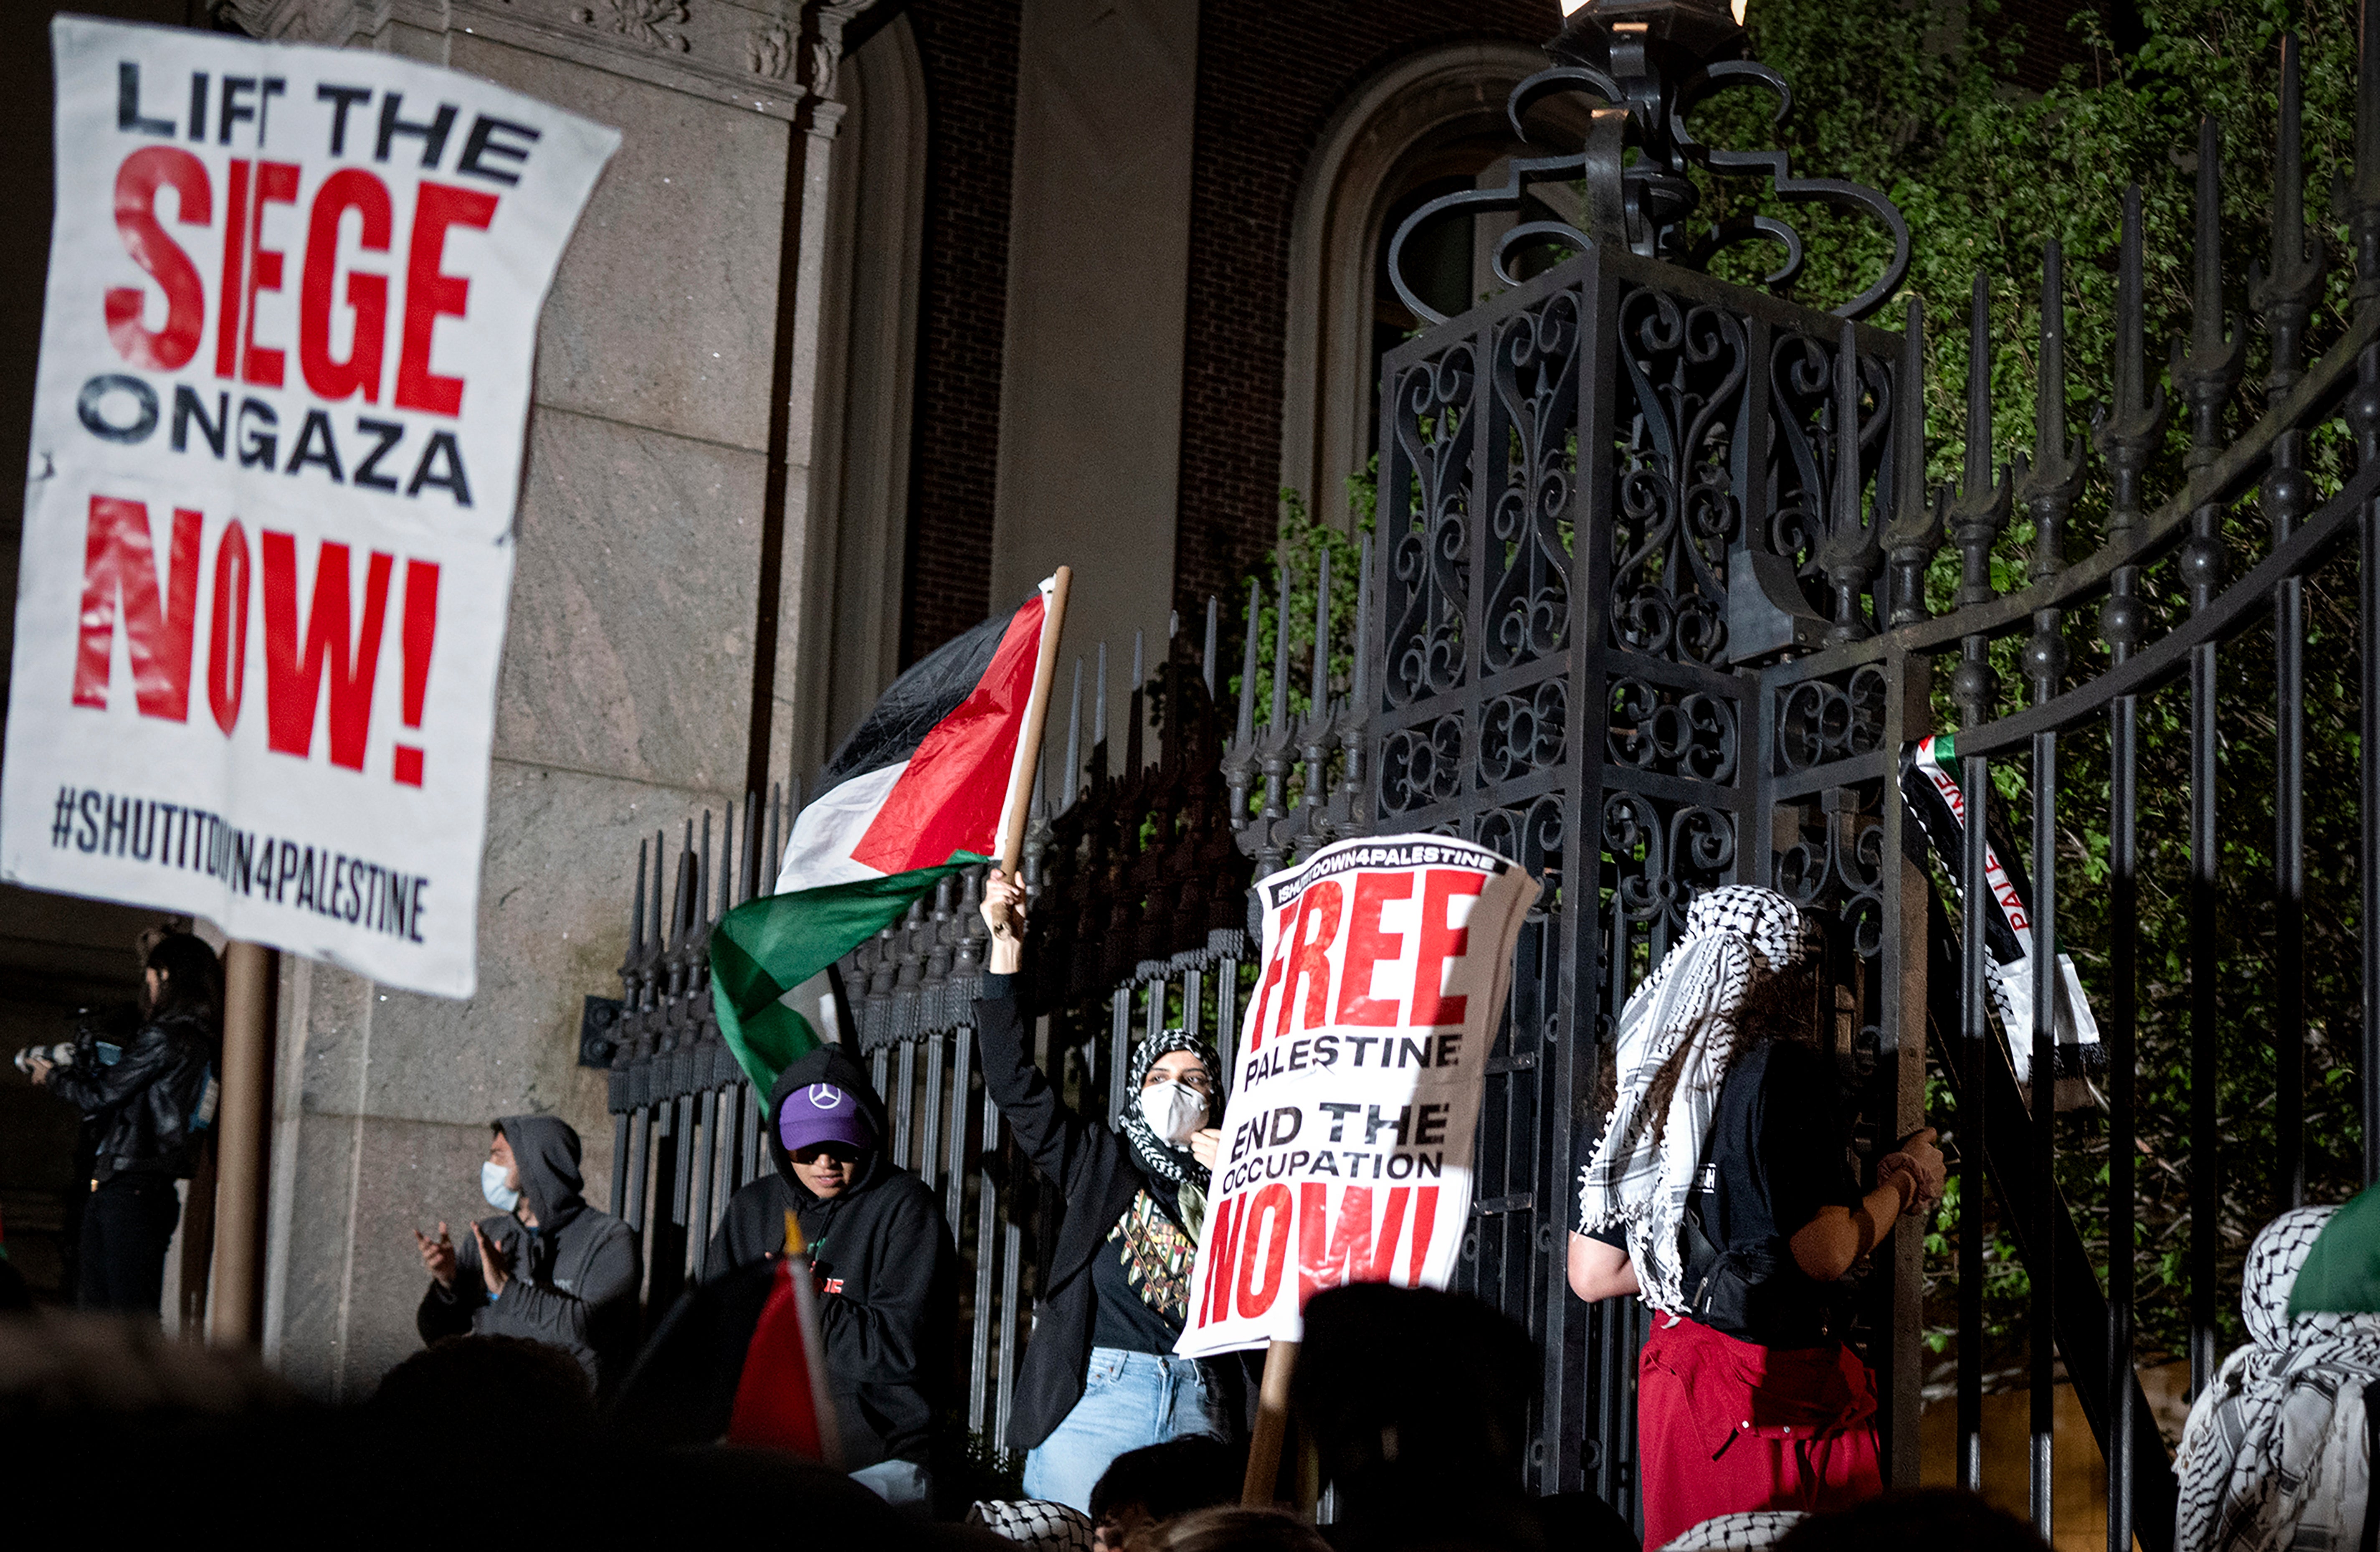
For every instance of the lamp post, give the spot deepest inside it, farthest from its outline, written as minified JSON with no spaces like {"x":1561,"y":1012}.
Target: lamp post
{"x":1692,"y":32}
{"x":1642,"y":59}
{"x":1647,"y":49}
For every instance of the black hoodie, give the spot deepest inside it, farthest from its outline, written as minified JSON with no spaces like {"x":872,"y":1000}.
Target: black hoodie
{"x":574,"y":1276}
{"x":889,"y":1276}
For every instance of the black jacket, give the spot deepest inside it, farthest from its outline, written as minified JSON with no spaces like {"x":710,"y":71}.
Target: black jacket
{"x":889,"y":1312}
{"x":144,"y":1103}
{"x":1096,"y":1173}
{"x":574,"y":1276}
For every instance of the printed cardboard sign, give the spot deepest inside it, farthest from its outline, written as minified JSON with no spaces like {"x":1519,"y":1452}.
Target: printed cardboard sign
{"x":285,"y":348}
{"x":1346,"y":1147}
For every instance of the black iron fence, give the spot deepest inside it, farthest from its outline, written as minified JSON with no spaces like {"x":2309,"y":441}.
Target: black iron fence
{"x":1650,"y":613}
{"x":1657,"y":561}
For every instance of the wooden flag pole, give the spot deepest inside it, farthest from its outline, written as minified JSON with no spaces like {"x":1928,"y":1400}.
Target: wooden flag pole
{"x":1015,"y":810}
{"x":1260,"y":1490}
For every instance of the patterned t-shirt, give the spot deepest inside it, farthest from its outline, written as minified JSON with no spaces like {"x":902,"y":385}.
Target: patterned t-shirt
{"x":1141,"y":1277}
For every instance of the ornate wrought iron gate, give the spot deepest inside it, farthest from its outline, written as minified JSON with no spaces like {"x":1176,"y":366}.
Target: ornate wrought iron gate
{"x":1652,"y":617}
{"x":1581,"y":481}
{"x":1649,"y":613}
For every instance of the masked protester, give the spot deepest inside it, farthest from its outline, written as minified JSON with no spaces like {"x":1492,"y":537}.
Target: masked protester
{"x":147,"y":1101}
{"x":887,"y":1276}
{"x":1100,"y":1378}
{"x":548,"y":1267}
{"x":1722,"y":1192}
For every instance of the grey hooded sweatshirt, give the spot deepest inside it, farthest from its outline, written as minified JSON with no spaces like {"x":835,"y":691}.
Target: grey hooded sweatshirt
{"x":573,"y":1278}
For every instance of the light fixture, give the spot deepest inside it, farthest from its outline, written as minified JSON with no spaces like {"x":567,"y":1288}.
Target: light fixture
{"x":1677,"y":36}
{"x":1737,"y":6}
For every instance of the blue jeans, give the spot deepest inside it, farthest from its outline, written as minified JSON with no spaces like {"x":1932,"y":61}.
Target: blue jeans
{"x":1129,"y":1400}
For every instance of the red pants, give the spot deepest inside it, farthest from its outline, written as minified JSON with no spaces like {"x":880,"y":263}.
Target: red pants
{"x":1724,"y":1426}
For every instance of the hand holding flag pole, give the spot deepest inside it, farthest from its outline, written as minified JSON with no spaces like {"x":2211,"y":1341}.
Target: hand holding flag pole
{"x":909,"y":801}
{"x":1015,"y":810}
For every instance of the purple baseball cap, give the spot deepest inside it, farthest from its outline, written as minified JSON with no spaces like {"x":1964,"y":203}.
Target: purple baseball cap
{"x":823,"y":1113}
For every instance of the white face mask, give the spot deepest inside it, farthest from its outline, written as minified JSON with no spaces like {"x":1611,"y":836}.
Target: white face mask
{"x":1174,"y":1111}
{"x":502,"y":1197}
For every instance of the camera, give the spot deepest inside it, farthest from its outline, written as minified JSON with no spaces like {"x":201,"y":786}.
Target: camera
{"x":60,"y":1054}
{"x":86,"y":1047}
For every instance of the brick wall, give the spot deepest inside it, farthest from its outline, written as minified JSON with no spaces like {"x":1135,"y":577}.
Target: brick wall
{"x":969,"y":50}
{"x":1269,"y":74}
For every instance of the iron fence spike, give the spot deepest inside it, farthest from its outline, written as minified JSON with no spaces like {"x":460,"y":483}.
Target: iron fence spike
{"x":1099,"y":715}
{"x":1248,"y":723}
{"x":1206,"y":658}
{"x":1074,"y":766}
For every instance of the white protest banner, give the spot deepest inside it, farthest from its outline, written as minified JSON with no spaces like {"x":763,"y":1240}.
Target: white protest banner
{"x":1346,"y":1147}
{"x":285,"y":348}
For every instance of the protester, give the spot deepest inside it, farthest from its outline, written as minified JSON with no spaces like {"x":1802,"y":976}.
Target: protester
{"x":2276,"y":1452}
{"x":886,"y":1272}
{"x":147,"y":1100}
{"x":535,"y":1385}
{"x":1098,"y":1376}
{"x":1721,"y":1192}
{"x":1927,"y":1520}
{"x":114,"y":1420}
{"x":1159,"y":1481}
{"x":1417,"y":1405}
{"x":547,"y":1267}
{"x":1230,"y":1530}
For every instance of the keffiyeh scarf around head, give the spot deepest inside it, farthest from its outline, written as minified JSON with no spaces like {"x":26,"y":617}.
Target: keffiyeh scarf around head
{"x":1165,"y":1165}
{"x":2274,"y":1454}
{"x":1644,"y":1165}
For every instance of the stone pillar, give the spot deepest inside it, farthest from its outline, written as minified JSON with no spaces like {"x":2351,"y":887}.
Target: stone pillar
{"x":808,"y":528}
{"x":638,"y":642}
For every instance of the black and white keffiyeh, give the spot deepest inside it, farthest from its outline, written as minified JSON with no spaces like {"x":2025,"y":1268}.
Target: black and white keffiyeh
{"x":1164,"y":1164}
{"x":1036,"y":1523}
{"x":2275,"y":1455}
{"x":1642,"y":1172}
{"x":1754,"y":1531}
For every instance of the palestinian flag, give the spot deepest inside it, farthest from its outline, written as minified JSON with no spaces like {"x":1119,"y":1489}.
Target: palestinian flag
{"x":919,"y":790}
{"x":784,"y":1399}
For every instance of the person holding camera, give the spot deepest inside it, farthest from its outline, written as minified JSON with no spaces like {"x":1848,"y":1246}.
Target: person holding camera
{"x":1723,"y":1192}
{"x":149,"y":1100}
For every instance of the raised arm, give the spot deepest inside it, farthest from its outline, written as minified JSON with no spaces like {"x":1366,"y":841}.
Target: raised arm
{"x":1060,"y":1142}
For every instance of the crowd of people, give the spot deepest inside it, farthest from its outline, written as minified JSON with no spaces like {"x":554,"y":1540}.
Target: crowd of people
{"x":1720,"y":1189}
